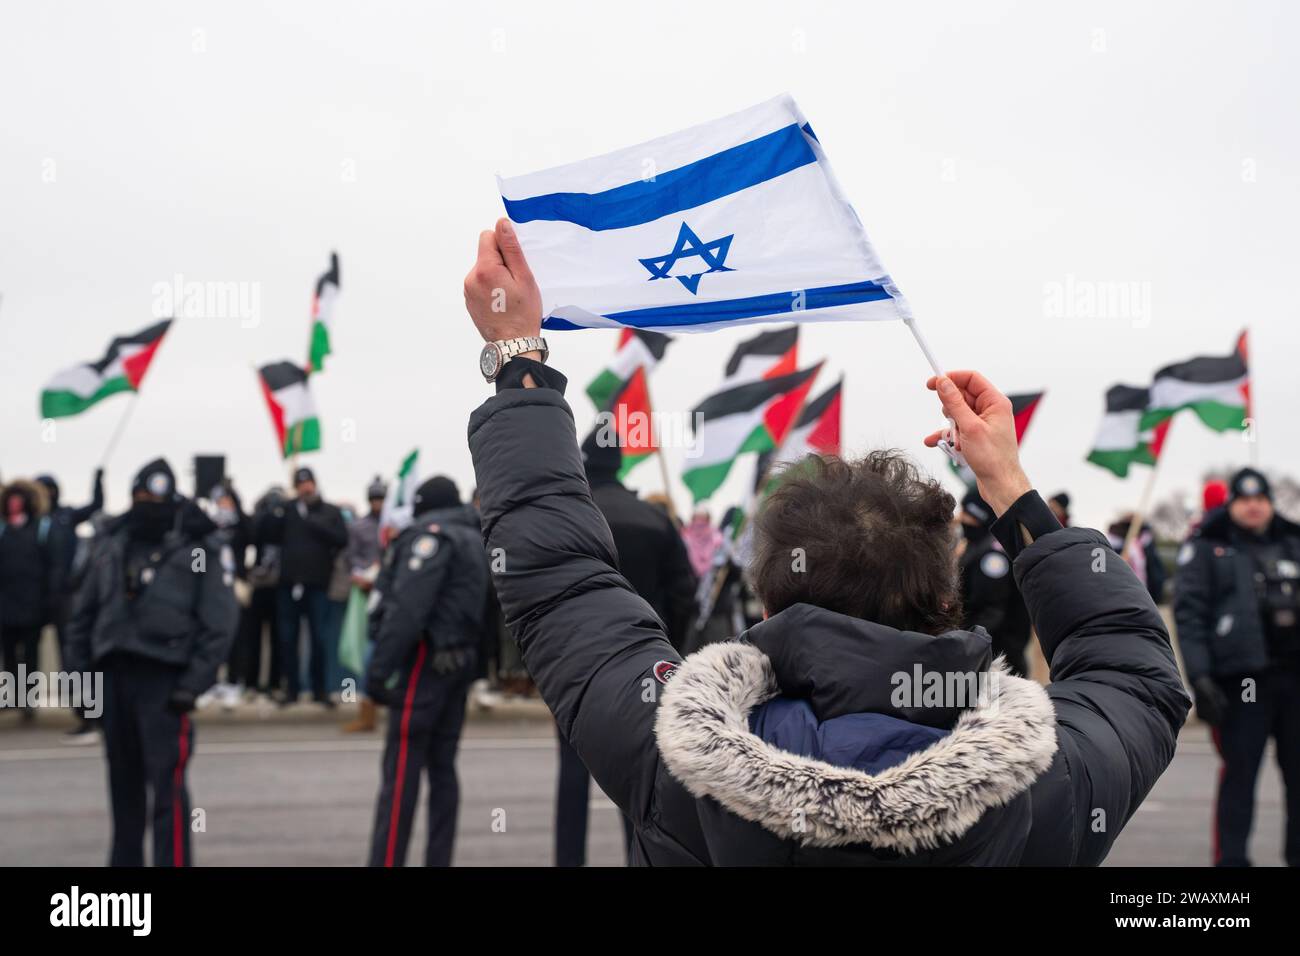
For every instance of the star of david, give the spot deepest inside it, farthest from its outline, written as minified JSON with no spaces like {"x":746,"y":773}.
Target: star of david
{"x":689,"y":245}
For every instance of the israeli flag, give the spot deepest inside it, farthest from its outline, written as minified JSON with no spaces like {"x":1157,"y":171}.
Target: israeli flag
{"x":733,"y":222}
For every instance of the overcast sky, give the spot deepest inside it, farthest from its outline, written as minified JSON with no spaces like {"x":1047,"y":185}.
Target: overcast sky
{"x":1000,"y":155}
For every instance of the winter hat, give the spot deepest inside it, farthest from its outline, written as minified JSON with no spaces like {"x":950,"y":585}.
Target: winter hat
{"x":438,"y":492}
{"x":155,"y":478}
{"x":600,"y":458}
{"x":377,"y":489}
{"x":303,"y":474}
{"x":1247,"y":483}
{"x":1214,"y":494}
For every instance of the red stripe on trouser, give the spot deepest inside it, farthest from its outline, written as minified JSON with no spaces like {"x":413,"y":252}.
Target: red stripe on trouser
{"x":178,"y":789}
{"x":403,"y":738}
{"x":1216,"y":851}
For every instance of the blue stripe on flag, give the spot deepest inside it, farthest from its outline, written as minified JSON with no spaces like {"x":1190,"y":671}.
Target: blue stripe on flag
{"x":689,"y":186}
{"x":777,"y":303}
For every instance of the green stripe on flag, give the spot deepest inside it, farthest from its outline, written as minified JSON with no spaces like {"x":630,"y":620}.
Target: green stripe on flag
{"x":603,"y":388}
{"x":1119,"y":460}
{"x":705,"y":480}
{"x":302,"y":436}
{"x":1215,"y":415}
{"x":63,"y":404}
{"x":320,"y":346}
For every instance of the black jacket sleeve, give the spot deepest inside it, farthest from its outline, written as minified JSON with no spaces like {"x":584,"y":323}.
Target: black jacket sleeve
{"x":326,"y":524}
{"x":587,"y":638}
{"x":1193,"y":608}
{"x":407,"y":596}
{"x":1115,"y":686}
{"x":77,"y":515}
{"x":85,"y":609}
{"x":216,"y":614}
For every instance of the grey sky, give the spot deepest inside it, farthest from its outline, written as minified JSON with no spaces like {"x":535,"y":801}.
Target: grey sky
{"x":996,"y":152}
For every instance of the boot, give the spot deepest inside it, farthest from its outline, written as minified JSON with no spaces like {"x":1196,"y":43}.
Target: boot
{"x":366,"y":718}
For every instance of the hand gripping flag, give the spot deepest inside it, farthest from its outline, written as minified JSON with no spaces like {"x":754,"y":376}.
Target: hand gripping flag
{"x":732,"y":222}
{"x":121,"y":369}
{"x":1023,"y":406}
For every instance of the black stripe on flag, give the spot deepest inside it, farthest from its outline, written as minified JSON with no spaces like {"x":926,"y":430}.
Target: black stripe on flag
{"x":331,"y":277}
{"x":776,"y":342}
{"x":1127,"y":398}
{"x":280,"y":375}
{"x":815,"y":409}
{"x":145,"y":337}
{"x":655,"y":342}
{"x":1206,"y":369}
{"x":751,"y":395}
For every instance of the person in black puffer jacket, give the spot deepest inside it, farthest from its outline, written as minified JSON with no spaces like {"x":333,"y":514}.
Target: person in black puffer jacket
{"x":310,"y":533}
{"x":820,"y":736}
{"x":425,"y":623}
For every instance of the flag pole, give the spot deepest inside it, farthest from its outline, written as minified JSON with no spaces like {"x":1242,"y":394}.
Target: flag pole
{"x":659,"y":452}
{"x":118,"y":431}
{"x":1135,"y":524}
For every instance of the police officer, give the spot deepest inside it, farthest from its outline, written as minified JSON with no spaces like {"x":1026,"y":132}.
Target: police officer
{"x":1237,"y":607}
{"x":156,"y":613}
{"x":428,"y":612}
{"x":989,"y":594}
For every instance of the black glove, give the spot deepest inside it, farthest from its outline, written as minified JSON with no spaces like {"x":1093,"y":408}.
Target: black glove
{"x":180,"y":701}
{"x":1211,"y":701}
{"x":377,"y":690}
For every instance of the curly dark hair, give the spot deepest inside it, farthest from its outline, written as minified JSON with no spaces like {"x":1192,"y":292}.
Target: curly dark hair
{"x":869,"y":538}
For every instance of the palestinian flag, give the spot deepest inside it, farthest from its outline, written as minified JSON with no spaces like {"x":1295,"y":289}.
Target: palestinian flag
{"x":1124,"y":437}
{"x":637,"y":351}
{"x":322,"y":316}
{"x":293,"y":411}
{"x":396,"y":512}
{"x":754,"y":416}
{"x":122,"y":369}
{"x":1217,"y":388}
{"x":765,"y":356}
{"x":1023,"y":407}
{"x":817,"y":432}
{"x":623,"y":390}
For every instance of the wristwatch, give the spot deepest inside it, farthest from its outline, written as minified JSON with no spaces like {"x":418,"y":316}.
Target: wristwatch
{"x":495,"y":355}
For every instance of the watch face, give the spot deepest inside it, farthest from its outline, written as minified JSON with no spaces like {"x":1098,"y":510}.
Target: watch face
{"x":489,"y":362}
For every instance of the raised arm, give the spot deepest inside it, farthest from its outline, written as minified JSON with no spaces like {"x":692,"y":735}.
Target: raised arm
{"x":1115,"y":686}
{"x":591,"y":643}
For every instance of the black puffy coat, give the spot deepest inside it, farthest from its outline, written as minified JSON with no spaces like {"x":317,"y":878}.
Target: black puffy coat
{"x":432,"y":588}
{"x":651,"y":554}
{"x":184,"y":614}
{"x":309,"y":543}
{"x":1216,"y":604}
{"x":708,"y":772}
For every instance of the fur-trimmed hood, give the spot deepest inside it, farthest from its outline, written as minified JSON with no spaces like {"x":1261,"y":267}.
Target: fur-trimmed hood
{"x":33,"y":492}
{"x":992,"y":754}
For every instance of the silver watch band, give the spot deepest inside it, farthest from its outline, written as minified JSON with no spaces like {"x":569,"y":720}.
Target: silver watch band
{"x":512,"y":347}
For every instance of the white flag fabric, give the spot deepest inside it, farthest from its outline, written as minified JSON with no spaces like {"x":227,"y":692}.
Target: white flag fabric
{"x":733,"y":222}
